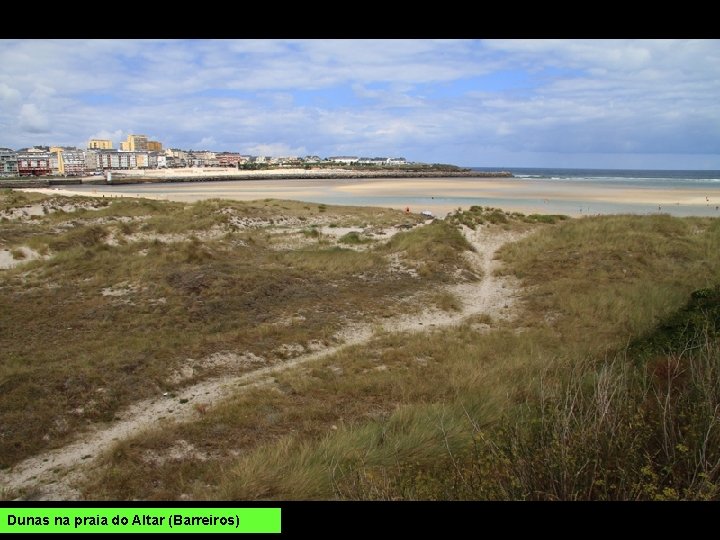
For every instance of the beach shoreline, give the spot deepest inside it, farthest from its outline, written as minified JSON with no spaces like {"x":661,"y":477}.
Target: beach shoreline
{"x":440,"y":195}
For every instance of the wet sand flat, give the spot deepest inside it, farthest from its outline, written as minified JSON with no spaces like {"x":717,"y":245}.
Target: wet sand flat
{"x":441,"y":195}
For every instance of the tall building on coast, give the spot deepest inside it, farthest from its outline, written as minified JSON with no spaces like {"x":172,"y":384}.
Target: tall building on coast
{"x":135,"y":143}
{"x":99,"y":144}
{"x":140,"y":143}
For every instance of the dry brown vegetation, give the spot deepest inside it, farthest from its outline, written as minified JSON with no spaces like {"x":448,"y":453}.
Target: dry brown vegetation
{"x":605,"y":386}
{"x":548,"y":407}
{"x":109,"y":317}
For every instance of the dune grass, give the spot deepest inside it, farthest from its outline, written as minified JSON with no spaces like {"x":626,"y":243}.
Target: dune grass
{"x":108,"y":319}
{"x":604,"y":387}
{"x":570,"y":401}
{"x":432,"y":249}
{"x":487,"y":215}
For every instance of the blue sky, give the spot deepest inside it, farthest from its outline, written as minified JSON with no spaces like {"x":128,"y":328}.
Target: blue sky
{"x":512,"y":103}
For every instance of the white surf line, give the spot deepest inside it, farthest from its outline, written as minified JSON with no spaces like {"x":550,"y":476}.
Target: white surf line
{"x":53,"y":472}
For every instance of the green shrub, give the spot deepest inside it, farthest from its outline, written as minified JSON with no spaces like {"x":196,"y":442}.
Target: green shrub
{"x":353,"y":237}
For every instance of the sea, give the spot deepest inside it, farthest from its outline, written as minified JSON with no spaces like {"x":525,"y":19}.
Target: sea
{"x":627,"y":177}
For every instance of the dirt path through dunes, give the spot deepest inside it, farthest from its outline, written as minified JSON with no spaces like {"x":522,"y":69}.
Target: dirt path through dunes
{"x":51,"y":475}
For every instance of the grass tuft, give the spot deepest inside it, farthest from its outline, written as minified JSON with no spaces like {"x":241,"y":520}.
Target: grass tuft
{"x":353,"y":238}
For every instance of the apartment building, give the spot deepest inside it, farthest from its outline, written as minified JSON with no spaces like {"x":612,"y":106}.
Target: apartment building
{"x":135,"y":143}
{"x":92,"y":160}
{"x":97,"y":160}
{"x":8,"y":162}
{"x":100,"y":144}
{"x":228,"y":159}
{"x":54,"y":163}
{"x":72,"y":162}
{"x":67,"y":161}
{"x":176,"y":153}
{"x":33,"y":162}
{"x":343,"y":159}
{"x":141,"y":160}
{"x":110,"y":159}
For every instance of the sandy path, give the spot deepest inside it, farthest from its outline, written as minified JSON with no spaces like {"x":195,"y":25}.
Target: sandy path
{"x":51,"y":475}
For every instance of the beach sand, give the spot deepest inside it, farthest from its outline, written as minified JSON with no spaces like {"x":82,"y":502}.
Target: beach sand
{"x":440,"y":195}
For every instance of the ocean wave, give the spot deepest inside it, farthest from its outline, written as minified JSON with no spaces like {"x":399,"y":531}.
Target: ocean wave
{"x":641,"y":178}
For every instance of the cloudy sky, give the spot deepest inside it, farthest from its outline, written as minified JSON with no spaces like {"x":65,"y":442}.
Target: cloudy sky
{"x":514,"y":103}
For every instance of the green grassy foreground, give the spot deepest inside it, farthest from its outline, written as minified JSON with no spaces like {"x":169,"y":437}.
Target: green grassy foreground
{"x":580,"y":398}
{"x":606,"y":386}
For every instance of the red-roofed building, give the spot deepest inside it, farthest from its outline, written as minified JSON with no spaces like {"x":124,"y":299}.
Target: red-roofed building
{"x":228,"y":159}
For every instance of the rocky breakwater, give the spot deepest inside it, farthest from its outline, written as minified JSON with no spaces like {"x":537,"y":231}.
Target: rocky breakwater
{"x":23,"y":183}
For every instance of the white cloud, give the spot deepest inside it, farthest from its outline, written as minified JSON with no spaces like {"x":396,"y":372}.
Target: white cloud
{"x":8,"y":94}
{"x":279,"y":149}
{"x":32,"y":120}
{"x":206,"y":143}
{"x":396,"y":97}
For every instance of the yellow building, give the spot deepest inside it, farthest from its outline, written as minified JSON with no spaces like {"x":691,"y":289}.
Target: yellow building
{"x":100,"y":144}
{"x":135,"y":143}
{"x":70,"y":161}
{"x":154,"y":146}
{"x":56,"y":163}
{"x":141,"y":161}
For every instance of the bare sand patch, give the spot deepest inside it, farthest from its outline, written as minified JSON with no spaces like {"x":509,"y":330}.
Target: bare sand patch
{"x":45,"y":207}
{"x":10,"y":258}
{"x":339,"y":232}
{"x":121,"y":289}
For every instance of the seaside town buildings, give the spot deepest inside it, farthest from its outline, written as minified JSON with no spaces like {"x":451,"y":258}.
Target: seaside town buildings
{"x":137,"y":152}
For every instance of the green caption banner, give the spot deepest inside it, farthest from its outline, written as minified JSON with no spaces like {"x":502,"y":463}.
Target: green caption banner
{"x":139,"y":520}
